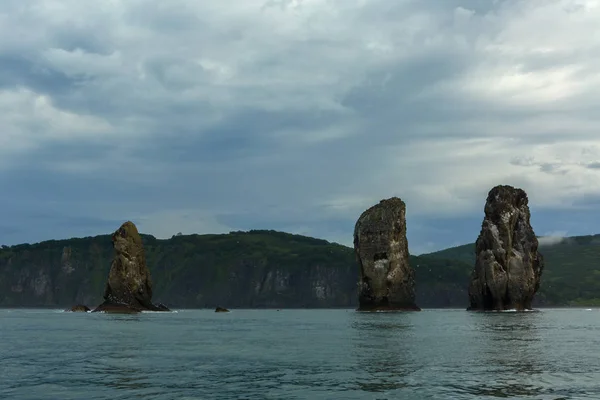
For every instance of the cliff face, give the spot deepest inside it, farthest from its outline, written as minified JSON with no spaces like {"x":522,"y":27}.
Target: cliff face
{"x":54,"y":273}
{"x":508,"y":266}
{"x":386,"y":278}
{"x":258,"y":285}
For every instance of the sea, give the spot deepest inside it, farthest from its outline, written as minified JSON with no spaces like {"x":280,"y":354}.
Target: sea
{"x":300,"y":354}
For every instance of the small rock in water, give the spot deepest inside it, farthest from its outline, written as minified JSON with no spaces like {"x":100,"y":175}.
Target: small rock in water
{"x":79,"y":308}
{"x":221,"y":309}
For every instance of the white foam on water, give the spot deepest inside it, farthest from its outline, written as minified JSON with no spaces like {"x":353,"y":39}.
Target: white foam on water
{"x":104,"y":312}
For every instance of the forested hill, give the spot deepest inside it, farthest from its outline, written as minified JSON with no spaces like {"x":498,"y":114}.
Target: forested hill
{"x":264,"y":269}
{"x":253,"y":269}
{"x":239,"y":269}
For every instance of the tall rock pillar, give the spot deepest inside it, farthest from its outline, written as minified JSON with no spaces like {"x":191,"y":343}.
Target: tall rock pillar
{"x":386,"y":278}
{"x":508,"y":266}
{"x":129,"y":288}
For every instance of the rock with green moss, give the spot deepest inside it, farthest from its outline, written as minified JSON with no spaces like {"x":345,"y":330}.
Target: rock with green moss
{"x":129,"y":286}
{"x":386,"y":278}
{"x":508,"y":266}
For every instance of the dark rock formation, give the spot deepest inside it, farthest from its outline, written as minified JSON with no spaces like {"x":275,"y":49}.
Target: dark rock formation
{"x":115,"y":308}
{"x":129,"y":288}
{"x":221,"y":309}
{"x":508,"y":266}
{"x":386,"y":278}
{"x":79,"y":308}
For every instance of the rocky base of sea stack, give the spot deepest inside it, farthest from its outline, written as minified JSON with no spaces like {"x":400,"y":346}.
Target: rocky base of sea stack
{"x":365,"y":308}
{"x":508,"y":310}
{"x":119,"y":308}
{"x":78,"y":308}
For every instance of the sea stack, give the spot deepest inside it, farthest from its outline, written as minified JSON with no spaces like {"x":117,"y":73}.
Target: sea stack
{"x":508,"y":266}
{"x":386,"y":279}
{"x":129,"y":287}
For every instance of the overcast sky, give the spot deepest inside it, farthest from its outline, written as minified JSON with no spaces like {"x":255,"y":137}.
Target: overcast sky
{"x":200,"y":116}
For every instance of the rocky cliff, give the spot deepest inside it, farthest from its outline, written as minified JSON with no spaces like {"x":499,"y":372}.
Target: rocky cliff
{"x":508,"y":266}
{"x":386,"y":278}
{"x":129,"y":286}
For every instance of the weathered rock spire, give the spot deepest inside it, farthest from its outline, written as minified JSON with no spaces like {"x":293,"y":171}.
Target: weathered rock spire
{"x":129,"y":287}
{"x":508,"y":266}
{"x":386,"y":278}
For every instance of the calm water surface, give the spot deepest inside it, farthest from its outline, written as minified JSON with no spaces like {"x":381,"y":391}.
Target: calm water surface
{"x":300,"y":354}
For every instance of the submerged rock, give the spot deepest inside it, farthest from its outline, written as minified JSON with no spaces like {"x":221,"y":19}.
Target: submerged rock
{"x":386,"y":278}
{"x":129,"y":287}
{"x":221,"y":309}
{"x":79,"y":308}
{"x":508,"y":266}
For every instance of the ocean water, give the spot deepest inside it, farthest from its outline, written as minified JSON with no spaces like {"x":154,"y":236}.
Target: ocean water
{"x":300,"y":354}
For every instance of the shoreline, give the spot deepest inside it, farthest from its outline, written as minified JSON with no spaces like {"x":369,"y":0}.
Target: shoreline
{"x":351,"y":308}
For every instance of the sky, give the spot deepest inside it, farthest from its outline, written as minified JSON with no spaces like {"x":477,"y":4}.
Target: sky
{"x":203,"y":116}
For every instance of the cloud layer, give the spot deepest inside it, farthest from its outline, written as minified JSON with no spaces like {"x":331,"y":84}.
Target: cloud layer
{"x":204,"y":116}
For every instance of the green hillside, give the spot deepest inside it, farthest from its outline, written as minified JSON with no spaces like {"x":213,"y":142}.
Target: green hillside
{"x":572,"y":269}
{"x":267,"y":269}
{"x":243,"y":269}
{"x":239,"y":269}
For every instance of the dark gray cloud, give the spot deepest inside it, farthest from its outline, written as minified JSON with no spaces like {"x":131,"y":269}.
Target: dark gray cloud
{"x":594,"y":165}
{"x":19,"y":71}
{"x":208,"y":117}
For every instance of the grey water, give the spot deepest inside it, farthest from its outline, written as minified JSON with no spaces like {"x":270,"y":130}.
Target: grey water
{"x":300,"y":354}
